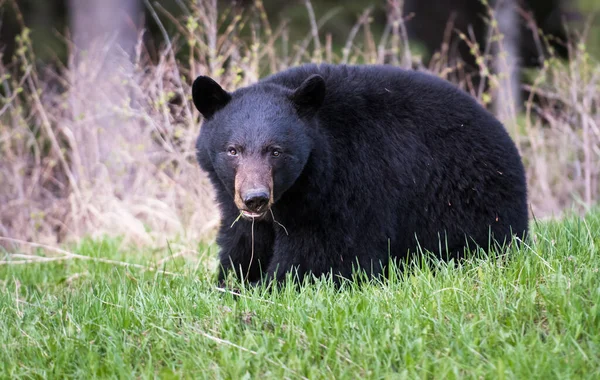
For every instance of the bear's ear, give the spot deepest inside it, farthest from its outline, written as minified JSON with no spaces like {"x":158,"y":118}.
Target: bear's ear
{"x":208,"y":96}
{"x":310,"y":95}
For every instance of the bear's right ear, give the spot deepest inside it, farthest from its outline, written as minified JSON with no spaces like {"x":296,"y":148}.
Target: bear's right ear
{"x":309,"y":96}
{"x":208,"y":96}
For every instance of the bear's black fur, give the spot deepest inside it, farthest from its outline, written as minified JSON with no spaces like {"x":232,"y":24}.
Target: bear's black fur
{"x":333,"y":166}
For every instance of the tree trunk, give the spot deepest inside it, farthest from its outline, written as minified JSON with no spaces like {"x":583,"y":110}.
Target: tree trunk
{"x":506,"y":61}
{"x":104,"y":35}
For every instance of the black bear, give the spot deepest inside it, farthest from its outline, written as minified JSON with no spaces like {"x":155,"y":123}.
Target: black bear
{"x":325,"y":169}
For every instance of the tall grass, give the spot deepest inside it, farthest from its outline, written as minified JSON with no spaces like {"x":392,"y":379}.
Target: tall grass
{"x":105,"y":144}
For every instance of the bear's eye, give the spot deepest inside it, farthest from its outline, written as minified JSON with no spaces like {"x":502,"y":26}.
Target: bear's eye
{"x":232,"y":151}
{"x":275,"y":152}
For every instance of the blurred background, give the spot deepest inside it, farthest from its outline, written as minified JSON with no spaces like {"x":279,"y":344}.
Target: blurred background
{"x":97,"y":128}
{"x":53,"y":21}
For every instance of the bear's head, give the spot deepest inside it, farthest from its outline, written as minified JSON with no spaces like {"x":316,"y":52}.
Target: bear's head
{"x":258,"y":139}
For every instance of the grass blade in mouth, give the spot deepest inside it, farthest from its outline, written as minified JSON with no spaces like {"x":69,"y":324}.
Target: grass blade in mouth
{"x":236,"y":219}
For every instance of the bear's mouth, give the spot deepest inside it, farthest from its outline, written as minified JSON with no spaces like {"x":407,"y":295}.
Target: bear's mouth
{"x":253,"y":215}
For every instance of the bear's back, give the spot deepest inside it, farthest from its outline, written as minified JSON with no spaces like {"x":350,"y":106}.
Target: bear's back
{"x":388,"y":95}
{"x":380,"y":82}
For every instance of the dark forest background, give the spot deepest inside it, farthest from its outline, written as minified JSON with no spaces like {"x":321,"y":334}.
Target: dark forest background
{"x":49,"y":20}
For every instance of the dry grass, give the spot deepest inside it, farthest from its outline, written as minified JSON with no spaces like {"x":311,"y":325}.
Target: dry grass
{"x":106,"y":144}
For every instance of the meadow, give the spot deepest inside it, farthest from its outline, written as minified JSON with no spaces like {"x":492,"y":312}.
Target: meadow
{"x":101,"y":310}
{"x":104,"y":143}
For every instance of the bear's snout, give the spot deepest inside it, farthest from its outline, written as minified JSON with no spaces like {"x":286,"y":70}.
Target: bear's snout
{"x":256,"y":200}
{"x":253,"y":188}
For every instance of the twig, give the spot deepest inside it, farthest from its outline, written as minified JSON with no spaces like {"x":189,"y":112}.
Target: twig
{"x":301,"y":47}
{"x":177,"y":75}
{"x":281,"y":225}
{"x":70,"y":255}
{"x":314,"y":29}
{"x":171,"y":257}
{"x":237,"y":294}
{"x":8,"y":102}
{"x":53,"y":140}
{"x":251,"y":250}
{"x":353,"y":32}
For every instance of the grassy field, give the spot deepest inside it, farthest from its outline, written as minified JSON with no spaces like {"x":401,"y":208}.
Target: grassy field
{"x":535,"y":315}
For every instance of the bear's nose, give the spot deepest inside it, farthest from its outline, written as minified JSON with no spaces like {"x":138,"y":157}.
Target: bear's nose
{"x":255,"y":200}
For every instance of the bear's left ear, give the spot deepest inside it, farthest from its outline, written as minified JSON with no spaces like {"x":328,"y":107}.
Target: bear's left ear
{"x":208,"y":96}
{"x":310,"y":95}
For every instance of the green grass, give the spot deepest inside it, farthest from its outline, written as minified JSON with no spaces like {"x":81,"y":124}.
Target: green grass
{"x":536,"y":315}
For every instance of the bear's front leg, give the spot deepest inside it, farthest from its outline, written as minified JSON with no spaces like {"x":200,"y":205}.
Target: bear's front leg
{"x":245,"y":248}
{"x":305,"y":253}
